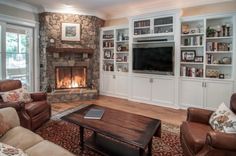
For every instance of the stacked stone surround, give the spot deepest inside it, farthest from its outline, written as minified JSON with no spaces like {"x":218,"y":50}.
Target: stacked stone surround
{"x":50,"y":28}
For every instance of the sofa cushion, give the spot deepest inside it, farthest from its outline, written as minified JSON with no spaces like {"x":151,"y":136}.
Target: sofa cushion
{"x":35,"y":108}
{"x":195,"y":135}
{"x":16,"y":95}
{"x":7,"y":150}
{"x":47,"y":148}
{"x":223,"y":120}
{"x":20,"y":137}
{"x":4,"y":126}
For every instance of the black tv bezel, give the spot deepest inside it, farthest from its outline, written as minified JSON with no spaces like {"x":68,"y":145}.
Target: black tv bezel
{"x":172,"y":73}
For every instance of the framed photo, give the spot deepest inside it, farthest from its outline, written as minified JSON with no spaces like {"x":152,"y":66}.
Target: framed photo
{"x":107,"y":54}
{"x":70,"y":32}
{"x":198,"y":59}
{"x":188,"y":55}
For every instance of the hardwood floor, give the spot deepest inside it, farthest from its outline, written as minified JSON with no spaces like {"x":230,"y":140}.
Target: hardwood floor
{"x":165,"y":114}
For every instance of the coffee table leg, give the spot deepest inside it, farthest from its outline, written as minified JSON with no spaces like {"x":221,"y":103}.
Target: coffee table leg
{"x":150,"y":148}
{"x":81,"y":132}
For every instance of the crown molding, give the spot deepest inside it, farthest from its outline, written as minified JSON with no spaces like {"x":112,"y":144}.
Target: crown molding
{"x":77,"y":11}
{"x":20,"y":5}
{"x":164,"y":6}
{"x":115,"y":12}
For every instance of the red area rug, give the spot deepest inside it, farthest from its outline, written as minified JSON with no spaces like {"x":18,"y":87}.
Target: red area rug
{"x":67,"y":135}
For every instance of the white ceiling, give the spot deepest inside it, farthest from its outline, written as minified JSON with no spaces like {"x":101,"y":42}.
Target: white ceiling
{"x":106,"y":9}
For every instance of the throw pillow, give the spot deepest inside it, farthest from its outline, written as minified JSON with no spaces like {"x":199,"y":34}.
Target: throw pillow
{"x":7,"y":150}
{"x":223,"y":120}
{"x":16,"y":95}
{"x":4,"y":127}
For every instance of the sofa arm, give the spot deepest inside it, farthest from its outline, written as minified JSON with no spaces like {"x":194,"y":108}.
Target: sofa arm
{"x":221,"y":141}
{"x":10,"y":116}
{"x":39,"y":96}
{"x":198,"y":115}
{"x":17,"y":105}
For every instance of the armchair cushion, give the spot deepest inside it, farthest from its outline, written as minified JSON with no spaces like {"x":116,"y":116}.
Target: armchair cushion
{"x":195,"y":135}
{"x":7,"y":150}
{"x":16,"y":95}
{"x":223,"y":120}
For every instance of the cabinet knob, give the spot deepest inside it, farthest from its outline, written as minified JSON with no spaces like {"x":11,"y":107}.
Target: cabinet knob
{"x":114,"y":76}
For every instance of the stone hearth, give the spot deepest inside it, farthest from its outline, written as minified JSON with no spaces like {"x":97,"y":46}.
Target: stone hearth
{"x":71,"y":95}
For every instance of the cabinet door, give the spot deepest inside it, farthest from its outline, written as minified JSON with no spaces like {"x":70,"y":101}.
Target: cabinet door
{"x":142,"y":27}
{"x":191,"y":93}
{"x":141,"y":88}
{"x":107,"y":84}
{"x":218,"y":92}
{"x":163,"y":91}
{"x":121,"y":88}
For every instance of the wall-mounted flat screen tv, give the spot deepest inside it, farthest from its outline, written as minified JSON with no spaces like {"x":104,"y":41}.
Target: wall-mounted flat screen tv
{"x":153,"y":60}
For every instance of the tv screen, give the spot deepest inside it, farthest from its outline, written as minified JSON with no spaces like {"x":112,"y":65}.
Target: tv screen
{"x":155,"y":59}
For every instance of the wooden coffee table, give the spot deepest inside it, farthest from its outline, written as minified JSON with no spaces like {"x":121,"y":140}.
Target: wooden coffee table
{"x":117,"y":133}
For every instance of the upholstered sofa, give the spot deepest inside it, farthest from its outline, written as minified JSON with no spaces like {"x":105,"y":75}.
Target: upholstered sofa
{"x":198,"y":138}
{"x":32,"y":114}
{"x":32,"y":144}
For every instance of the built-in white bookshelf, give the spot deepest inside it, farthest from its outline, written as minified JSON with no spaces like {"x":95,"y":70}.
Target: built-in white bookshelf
{"x":115,"y":49}
{"x":192,"y":48}
{"x":210,"y":42}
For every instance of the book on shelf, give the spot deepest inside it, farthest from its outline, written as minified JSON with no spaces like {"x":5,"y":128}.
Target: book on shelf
{"x":94,"y":114}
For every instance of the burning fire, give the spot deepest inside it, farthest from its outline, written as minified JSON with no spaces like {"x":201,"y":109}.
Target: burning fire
{"x":75,"y":82}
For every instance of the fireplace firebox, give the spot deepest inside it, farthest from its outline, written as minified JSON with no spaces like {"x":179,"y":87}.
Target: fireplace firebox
{"x":68,"y":77}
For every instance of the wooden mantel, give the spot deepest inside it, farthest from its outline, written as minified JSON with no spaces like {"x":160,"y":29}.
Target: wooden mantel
{"x":70,"y":50}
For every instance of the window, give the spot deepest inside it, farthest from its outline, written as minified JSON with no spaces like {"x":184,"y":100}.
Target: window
{"x":16,"y":59}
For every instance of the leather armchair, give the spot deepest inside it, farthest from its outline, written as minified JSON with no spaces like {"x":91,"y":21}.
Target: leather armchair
{"x":198,"y":138}
{"x":33,"y":114}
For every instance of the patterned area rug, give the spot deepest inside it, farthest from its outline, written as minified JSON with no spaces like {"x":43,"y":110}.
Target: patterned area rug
{"x":66,"y":135}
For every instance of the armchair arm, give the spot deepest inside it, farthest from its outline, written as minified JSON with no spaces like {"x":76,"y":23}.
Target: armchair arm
{"x":198,"y":115}
{"x":39,"y":96}
{"x":222,"y":141}
{"x":17,"y":105}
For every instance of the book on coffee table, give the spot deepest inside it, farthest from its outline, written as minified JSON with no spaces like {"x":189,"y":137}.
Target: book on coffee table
{"x":94,"y":114}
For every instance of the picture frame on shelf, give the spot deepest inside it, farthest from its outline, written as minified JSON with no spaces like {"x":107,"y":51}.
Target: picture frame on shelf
{"x":70,"y":32}
{"x":198,"y":59}
{"x":185,"y":29}
{"x":107,"y":54}
{"x":188,"y":55}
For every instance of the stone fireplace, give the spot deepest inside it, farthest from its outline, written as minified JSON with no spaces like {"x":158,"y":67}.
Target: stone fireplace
{"x":61,"y":61}
{"x":69,"y":77}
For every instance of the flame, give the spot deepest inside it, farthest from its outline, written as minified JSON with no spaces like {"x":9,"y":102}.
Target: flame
{"x":66,"y":79}
{"x":75,"y":82}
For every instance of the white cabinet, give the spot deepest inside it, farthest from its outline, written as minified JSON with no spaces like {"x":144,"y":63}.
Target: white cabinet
{"x":204,"y":94}
{"x":121,"y":85}
{"x":141,"y":88}
{"x":153,"y":26}
{"x":157,"y":91}
{"x":107,"y":84}
{"x":114,"y":85}
{"x":217,"y":93}
{"x":163,"y":91}
{"x":191,"y":93}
